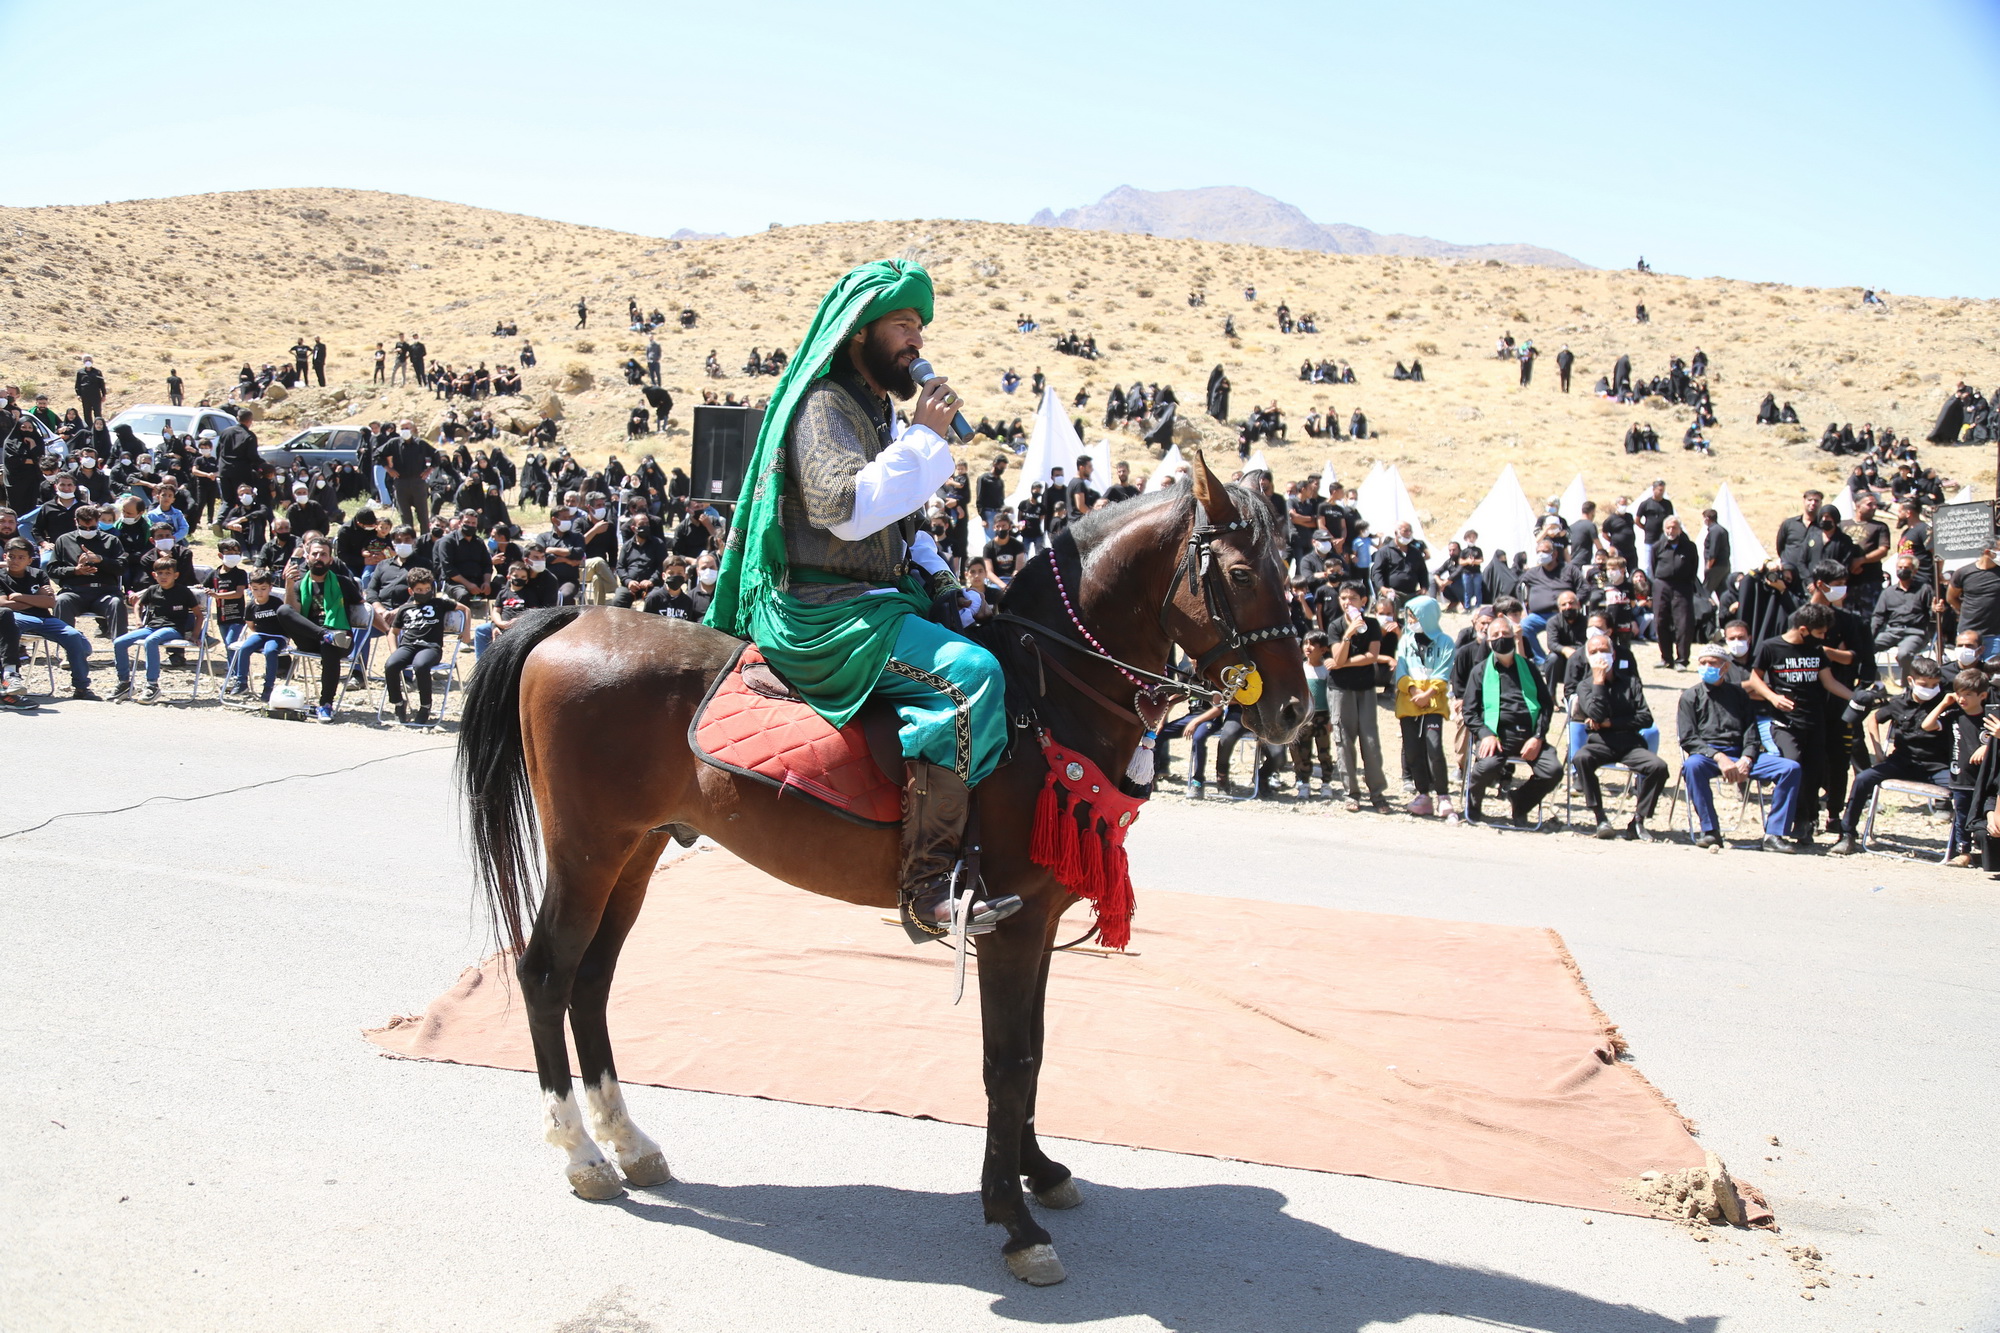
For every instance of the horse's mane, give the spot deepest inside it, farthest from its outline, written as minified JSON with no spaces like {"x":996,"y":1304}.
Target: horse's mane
{"x":1094,"y":528}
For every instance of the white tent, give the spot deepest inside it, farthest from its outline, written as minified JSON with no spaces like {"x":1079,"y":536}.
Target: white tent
{"x":1327,"y":478}
{"x":1572,"y":500}
{"x":1504,"y":520}
{"x":1171,"y":466}
{"x":1745,"y":551}
{"x":1052,"y":444}
{"x":1385,"y":502}
{"x":1257,"y":463}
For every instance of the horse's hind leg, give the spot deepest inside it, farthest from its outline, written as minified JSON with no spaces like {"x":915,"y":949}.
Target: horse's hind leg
{"x":636,"y":1154}
{"x":579,"y":886}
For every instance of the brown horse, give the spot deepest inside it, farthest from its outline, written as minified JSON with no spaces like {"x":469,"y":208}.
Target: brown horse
{"x":581,"y":718}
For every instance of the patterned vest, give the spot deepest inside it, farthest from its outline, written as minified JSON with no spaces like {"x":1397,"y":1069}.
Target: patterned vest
{"x":839,"y":427}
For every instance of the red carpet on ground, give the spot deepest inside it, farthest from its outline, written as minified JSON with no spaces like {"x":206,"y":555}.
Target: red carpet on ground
{"x":1444,"y":1053}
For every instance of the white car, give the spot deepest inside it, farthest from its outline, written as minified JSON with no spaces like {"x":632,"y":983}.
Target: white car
{"x":146,"y":419}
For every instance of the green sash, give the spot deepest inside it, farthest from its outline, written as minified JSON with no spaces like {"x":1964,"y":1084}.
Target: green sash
{"x":1489,"y":692}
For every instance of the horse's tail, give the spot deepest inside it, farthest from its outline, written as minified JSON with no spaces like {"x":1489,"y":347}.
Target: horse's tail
{"x":493,"y":776}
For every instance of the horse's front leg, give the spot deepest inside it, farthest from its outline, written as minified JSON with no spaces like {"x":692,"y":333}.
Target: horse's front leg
{"x":1049,"y":1180}
{"x":1011,"y":967}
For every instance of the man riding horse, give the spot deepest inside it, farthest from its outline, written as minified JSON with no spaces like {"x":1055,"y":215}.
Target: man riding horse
{"x":829,"y":572}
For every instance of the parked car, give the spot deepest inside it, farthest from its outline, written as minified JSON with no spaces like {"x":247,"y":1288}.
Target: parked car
{"x":146,"y":419}
{"x":315,"y":446}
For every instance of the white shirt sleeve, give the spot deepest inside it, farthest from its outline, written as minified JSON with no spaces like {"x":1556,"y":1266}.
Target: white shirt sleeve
{"x":924,"y":553}
{"x":896,"y":483}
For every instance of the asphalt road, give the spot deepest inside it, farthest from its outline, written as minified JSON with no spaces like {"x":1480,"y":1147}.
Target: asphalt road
{"x":197,"y":1137}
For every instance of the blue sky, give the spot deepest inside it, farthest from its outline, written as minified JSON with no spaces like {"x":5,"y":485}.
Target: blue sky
{"x":1830,"y":143}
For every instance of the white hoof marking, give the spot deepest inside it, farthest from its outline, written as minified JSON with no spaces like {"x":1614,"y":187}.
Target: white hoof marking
{"x":612,"y":1124}
{"x":589,"y":1174}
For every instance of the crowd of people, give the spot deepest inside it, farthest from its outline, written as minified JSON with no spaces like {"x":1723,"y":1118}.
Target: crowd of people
{"x":1840,"y":662}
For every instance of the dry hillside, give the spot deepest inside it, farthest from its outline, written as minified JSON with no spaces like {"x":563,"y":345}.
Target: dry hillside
{"x":207,"y":282}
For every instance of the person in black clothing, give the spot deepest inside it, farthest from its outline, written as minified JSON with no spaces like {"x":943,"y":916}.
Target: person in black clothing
{"x":1005,"y":553}
{"x":467,"y":564}
{"x":228,"y":587}
{"x":671,"y":598}
{"x":242,"y":466}
{"x":1653,"y":511}
{"x":167,"y":610}
{"x":420,"y":626}
{"x":1675,"y":566}
{"x":1904,"y":623}
{"x":1082,"y":495}
{"x":409,"y":460}
{"x":1122,"y":488}
{"x":1613,"y":709}
{"x":1912,"y":754}
{"x":1963,"y":716}
{"x":90,"y":389}
{"x":1868,"y":566}
{"x":989,"y":497}
{"x":1564,"y":360}
{"x":1507,"y":711}
{"x":1621,"y":533}
{"x":1791,"y":677}
{"x":319,"y":362}
{"x":582,"y":311}
{"x":89,"y":569}
{"x":174,"y":386}
{"x":1850,"y":654}
{"x":639,"y":561}
{"x":1403,"y":564}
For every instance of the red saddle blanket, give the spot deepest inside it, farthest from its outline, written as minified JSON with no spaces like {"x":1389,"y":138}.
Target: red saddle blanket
{"x":745,"y":728}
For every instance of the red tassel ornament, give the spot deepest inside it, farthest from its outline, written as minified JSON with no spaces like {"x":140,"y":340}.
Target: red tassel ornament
{"x":1081,"y":819}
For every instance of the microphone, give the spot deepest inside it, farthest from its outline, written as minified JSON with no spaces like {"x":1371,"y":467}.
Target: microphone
{"x":921,"y":372}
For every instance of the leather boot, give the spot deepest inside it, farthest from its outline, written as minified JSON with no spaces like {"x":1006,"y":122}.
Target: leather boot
{"x":935,"y":803}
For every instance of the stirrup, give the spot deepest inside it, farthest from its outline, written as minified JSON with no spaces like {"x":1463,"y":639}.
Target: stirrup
{"x":980,"y":915}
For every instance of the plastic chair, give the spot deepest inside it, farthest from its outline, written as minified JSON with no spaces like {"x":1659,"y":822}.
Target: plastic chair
{"x":198,"y":646}
{"x":1519,"y":768}
{"x":1761,"y":786}
{"x":446,"y":670}
{"x":1578,"y":734}
{"x":1928,"y":790}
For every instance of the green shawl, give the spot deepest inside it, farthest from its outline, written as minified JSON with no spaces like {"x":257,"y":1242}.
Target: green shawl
{"x":831,"y":654}
{"x":1489,"y":692}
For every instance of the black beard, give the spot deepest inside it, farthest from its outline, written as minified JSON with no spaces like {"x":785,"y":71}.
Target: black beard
{"x":880,"y":365}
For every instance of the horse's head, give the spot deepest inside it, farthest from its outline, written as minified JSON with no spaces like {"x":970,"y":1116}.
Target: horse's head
{"x":1228,"y":610}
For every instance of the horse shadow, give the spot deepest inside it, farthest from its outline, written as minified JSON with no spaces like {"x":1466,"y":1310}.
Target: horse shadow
{"x":1214,"y":1258}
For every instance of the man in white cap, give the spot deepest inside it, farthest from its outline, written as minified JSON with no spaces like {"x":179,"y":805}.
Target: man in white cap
{"x":1717,"y":725}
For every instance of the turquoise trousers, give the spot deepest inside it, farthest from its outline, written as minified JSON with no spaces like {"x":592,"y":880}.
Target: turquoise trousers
{"x":949,"y":694}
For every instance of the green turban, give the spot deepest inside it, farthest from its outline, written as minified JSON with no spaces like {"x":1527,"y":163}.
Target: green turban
{"x":753,"y":563}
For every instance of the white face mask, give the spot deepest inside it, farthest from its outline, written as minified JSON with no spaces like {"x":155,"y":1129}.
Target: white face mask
{"x":1600,"y":661}
{"x":597,"y":513}
{"x":163,"y":543}
{"x":1614,"y":575}
{"x":407,"y":434}
{"x":246,"y":498}
{"x":404,"y":550}
{"x":232,"y":559}
{"x":1548,"y":558}
{"x":706,"y":578}
{"x":65,"y":495}
{"x":562,"y":525}
{"x":86,"y":463}
{"x":1837,"y":595}
{"x":1926,"y":693}
{"x":538,"y":565}
{"x":1738,"y":647}
{"x":300,"y":497}
{"x":1966,"y":656}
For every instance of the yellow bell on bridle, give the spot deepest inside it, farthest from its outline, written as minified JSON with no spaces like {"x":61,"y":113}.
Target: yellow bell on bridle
{"x":1244,"y":683}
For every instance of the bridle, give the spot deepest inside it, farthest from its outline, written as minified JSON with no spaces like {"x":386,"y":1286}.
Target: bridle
{"x":1155,"y":690}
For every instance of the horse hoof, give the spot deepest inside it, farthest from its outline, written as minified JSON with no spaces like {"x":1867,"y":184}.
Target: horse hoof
{"x":596,"y":1180}
{"x":1037,"y":1266}
{"x":1065,"y":1195}
{"x":652,"y":1169}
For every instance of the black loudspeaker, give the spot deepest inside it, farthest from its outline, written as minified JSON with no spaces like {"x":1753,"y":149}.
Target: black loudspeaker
{"x":724,"y":439}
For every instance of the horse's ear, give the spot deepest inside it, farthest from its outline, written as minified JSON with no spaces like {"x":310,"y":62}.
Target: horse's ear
{"x":1213,"y":495}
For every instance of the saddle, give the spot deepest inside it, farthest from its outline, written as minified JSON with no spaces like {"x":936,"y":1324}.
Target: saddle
{"x":754,"y":724}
